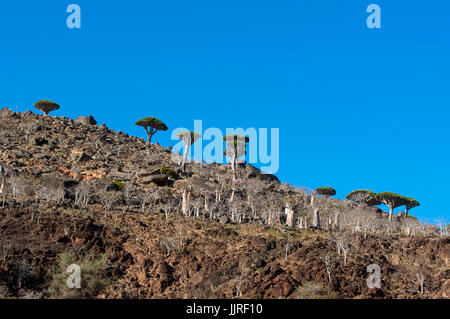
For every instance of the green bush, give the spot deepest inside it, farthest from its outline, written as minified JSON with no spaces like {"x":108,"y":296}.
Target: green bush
{"x":95,"y":277}
{"x":312,"y":290}
{"x":168,"y":171}
{"x":120,"y":185}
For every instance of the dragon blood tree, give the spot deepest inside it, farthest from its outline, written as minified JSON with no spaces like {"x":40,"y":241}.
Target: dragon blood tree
{"x":409,"y":204}
{"x":151,"y":126}
{"x":326,"y":191}
{"x":46,"y":106}
{"x":392,"y":200}
{"x":363,"y":197}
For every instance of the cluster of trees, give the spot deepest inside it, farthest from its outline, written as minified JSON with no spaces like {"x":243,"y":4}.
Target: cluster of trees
{"x":246,"y":199}
{"x":392,"y":200}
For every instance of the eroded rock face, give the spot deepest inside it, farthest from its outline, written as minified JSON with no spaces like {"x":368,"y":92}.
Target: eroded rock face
{"x":86,"y":120}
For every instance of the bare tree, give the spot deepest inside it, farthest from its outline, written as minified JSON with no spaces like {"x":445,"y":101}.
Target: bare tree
{"x":6,"y":246}
{"x":142,"y":198}
{"x":18,"y":185}
{"x":197,"y":204}
{"x":329,"y":261}
{"x":367,"y":219}
{"x":237,"y":210}
{"x":343,"y":244}
{"x":443,"y":226}
{"x":84,"y":193}
{"x":168,"y":244}
{"x":51,"y":189}
{"x":167,"y":208}
{"x":109,"y":198}
{"x":236,"y":186}
{"x":420,"y":275}
{"x":129,"y":194}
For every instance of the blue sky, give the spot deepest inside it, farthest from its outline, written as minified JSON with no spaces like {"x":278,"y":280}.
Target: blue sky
{"x":356,"y":108}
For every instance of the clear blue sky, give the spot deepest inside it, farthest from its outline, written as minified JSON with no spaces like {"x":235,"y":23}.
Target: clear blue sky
{"x":357,"y":108}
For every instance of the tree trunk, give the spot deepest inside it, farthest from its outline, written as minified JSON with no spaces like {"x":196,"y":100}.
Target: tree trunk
{"x":336,"y":220}
{"x":186,"y":152}
{"x":406,"y":212}
{"x":316,"y":222}
{"x":233,"y":166}
{"x":290,"y":213}
{"x":186,"y":197}
{"x":232,"y":195}
{"x":149,"y":134}
{"x":391,"y":211}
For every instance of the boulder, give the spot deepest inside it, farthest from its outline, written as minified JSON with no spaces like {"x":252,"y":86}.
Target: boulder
{"x":160,"y":180}
{"x":86,"y":120}
{"x":120,"y":176}
{"x":149,"y":172}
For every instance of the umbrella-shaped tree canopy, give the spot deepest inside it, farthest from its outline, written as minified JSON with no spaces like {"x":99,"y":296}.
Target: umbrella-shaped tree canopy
{"x":46,"y":106}
{"x":151,"y":126}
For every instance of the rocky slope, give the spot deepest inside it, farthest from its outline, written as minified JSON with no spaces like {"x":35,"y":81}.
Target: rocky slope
{"x":147,"y":245}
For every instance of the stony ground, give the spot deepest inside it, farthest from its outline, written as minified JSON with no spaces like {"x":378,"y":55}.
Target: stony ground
{"x":208,"y":260}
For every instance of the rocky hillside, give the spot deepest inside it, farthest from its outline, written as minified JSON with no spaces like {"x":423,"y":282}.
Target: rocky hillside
{"x":121,"y":209}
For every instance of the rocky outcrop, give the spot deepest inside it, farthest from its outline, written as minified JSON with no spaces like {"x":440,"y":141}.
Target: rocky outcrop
{"x":86,"y":120}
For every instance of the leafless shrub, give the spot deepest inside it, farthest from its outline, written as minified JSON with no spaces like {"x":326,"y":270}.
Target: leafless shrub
{"x":24,"y":270}
{"x":51,"y":189}
{"x":167,"y":208}
{"x":129,"y":194}
{"x":168,"y":244}
{"x":343,"y":244}
{"x":6,"y":247}
{"x":443,"y":226}
{"x":19,"y":186}
{"x":420,"y":275}
{"x":109,"y":198}
{"x":142,"y":198}
{"x":84,"y":193}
